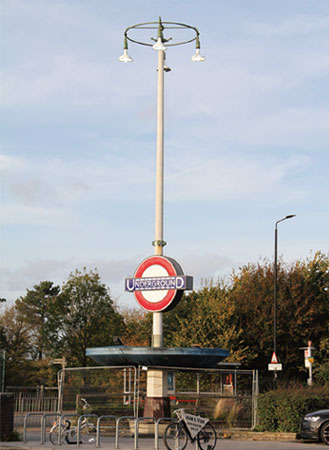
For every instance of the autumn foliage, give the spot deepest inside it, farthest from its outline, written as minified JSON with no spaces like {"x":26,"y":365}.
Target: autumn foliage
{"x":49,"y":322}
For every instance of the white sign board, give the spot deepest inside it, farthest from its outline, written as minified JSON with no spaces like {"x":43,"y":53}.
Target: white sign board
{"x":194,"y":423}
{"x":275,"y":366}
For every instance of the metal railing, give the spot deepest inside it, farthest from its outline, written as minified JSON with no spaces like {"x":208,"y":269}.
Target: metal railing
{"x":118,"y":420}
{"x":35,"y":404}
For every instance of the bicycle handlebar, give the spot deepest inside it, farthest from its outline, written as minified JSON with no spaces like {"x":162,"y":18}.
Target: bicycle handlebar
{"x":86,"y":404}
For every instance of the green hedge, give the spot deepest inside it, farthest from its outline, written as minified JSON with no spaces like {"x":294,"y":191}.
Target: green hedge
{"x":282,"y":409}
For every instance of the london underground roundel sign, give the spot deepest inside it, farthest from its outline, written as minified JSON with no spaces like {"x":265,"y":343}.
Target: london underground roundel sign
{"x":158,"y":283}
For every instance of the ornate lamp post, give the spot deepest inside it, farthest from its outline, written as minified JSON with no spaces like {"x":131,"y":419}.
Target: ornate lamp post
{"x":160,"y":44}
{"x":290,"y":216}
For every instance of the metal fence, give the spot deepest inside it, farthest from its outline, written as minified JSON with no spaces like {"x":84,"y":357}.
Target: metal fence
{"x":29,"y":403}
{"x":226,"y":395}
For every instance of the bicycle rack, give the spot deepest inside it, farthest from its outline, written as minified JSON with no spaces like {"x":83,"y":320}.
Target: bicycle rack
{"x":43,"y":425}
{"x":140,"y":419}
{"x":157,"y":423}
{"x":117,"y":428}
{"x":98,"y":435}
{"x":25,"y":422}
{"x":60,"y":426}
{"x":79,"y":425}
{"x":62,"y":417}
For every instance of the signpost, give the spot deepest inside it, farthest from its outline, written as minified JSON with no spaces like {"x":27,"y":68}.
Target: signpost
{"x":308,"y":360}
{"x":274,"y":364}
{"x":158,"y":283}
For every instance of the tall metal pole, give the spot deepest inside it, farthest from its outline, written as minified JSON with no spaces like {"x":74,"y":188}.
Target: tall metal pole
{"x":157,"y":338}
{"x":275,"y":285}
{"x":275,"y":294}
{"x":275,"y":305}
{"x":157,"y":402}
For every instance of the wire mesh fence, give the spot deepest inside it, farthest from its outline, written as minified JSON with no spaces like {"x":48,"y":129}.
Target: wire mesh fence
{"x":226,"y":396}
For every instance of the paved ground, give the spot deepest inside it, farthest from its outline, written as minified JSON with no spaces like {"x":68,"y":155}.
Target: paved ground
{"x":107,"y":443}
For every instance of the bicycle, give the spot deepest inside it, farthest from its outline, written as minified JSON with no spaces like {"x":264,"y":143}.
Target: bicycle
{"x":69,"y":434}
{"x":190,"y":427}
{"x":54,"y":432}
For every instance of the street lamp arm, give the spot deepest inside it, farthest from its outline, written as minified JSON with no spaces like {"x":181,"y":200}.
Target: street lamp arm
{"x":290,"y":216}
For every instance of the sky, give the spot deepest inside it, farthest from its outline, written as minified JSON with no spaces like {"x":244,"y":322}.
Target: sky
{"x":246,"y":138}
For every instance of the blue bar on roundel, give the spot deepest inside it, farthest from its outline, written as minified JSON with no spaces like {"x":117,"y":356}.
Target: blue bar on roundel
{"x":159,"y":283}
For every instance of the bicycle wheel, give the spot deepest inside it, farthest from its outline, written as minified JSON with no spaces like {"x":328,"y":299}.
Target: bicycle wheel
{"x":207,"y":437}
{"x":71,"y":437}
{"x":175,"y":437}
{"x":54,"y":434}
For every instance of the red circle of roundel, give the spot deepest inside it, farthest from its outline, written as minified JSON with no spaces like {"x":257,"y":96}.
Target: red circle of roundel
{"x":169,"y":297}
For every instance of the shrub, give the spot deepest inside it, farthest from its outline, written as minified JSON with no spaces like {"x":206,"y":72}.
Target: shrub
{"x":227,"y":409}
{"x":282,"y":409}
{"x":12,"y":436}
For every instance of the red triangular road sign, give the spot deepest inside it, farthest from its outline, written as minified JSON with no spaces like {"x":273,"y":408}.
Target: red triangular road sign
{"x":274,"y":359}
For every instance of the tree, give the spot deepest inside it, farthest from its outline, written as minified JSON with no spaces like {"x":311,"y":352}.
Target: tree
{"x":303,"y":309}
{"x":15,"y":338}
{"x":138,"y":327}
{"x":251,"y":292}
{"x":210,"y":322}
{"x":36,"y":310}
{"x":87,"y":315}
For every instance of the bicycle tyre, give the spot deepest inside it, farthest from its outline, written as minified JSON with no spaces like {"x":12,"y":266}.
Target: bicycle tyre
{"x":54,"y":434}
{"x":175,"y":437}
{"x":71,"y":437}
{"x":207,"y":437}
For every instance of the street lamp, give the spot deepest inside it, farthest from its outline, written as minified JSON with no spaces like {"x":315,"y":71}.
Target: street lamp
{"x":290,"y":216}
{"x":161,"y":44}
{"x":157,"y":401}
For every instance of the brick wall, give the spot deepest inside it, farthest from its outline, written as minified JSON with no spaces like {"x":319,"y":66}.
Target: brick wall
{"x":6,"y":414}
